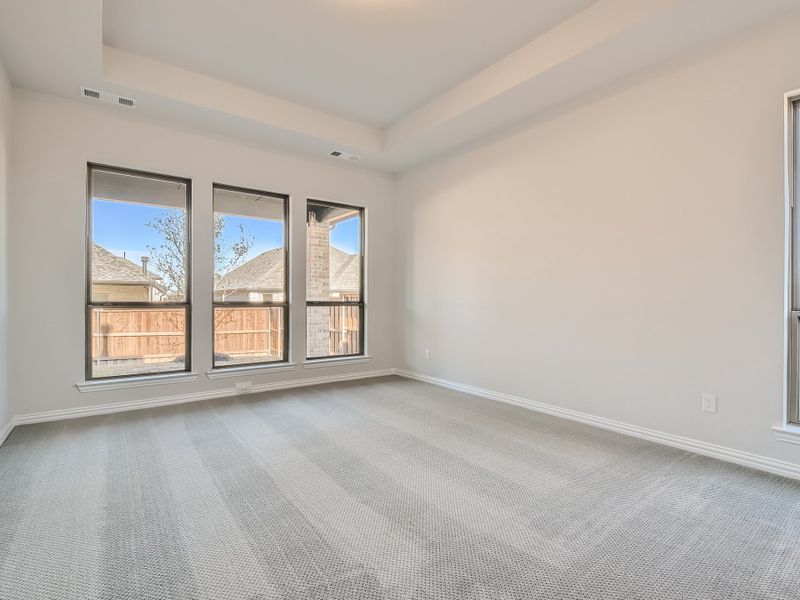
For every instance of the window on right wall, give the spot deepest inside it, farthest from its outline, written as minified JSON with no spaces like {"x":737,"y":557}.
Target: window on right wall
{"x":334,"y":280}
{"x":793,"y":233}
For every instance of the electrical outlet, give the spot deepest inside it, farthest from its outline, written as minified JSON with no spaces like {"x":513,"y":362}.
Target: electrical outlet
{"x":244,"y":387}
{"x":709,"y":403}
{"x":427,"y":354}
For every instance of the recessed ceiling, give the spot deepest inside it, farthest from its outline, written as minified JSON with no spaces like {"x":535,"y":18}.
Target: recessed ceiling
{"x":397,"y":82}
{"x":373,"y":61}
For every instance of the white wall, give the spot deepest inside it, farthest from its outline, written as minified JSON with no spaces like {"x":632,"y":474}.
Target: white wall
{"x":54,"y":139}
{"x":621,"y":257}
{"x":6,"y":411}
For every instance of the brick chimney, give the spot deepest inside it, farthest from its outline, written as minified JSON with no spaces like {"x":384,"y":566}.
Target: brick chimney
{"x":318,"y":285}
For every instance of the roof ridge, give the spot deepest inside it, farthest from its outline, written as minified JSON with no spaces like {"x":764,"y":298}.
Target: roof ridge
{"x":124,"y":262}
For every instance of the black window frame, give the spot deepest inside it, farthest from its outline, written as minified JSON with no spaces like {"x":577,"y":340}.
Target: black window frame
{"x":792,"y":408}
{"x":285,"y":305}
{"x":186,"y":305}
{"x":361,"y":302}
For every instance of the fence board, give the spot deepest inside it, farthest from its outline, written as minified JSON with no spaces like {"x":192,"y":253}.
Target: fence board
{"x":120,"y":334}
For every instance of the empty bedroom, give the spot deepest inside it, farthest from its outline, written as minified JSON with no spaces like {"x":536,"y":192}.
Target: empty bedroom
{"x":400,"y":299}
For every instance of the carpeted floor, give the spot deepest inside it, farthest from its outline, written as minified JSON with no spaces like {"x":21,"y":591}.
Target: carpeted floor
{"x":386,"y":488}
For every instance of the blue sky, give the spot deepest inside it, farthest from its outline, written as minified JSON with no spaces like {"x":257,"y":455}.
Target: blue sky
{"x":344,"y":235}
{"x":121,"y":227}
{"x":265,"y":235}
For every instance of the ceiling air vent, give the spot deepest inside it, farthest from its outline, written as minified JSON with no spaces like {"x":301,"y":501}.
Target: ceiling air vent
{"x":107,"y":97}
{"x":344,"y":155}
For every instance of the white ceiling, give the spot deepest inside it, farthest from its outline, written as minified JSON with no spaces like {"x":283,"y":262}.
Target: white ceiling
{"x":373,"y":61}
{"x":395,"y":81}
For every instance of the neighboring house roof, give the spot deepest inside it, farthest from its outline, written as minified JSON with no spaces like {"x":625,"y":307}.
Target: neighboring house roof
{"x":345,"y":271}
{"x":110,"y":268}
{"x":265,"y":272}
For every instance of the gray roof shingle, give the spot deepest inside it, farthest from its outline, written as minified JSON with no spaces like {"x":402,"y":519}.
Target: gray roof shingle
{"x":345,"y":271}
{"x":265,"y":273}
{"x":110,"y":268}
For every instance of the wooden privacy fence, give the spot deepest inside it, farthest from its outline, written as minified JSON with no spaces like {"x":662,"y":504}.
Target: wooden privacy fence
{"x":160,"y":334}
{"x":248,"y":331}
{"x":145,"y":333}
{"x":344,"y":330}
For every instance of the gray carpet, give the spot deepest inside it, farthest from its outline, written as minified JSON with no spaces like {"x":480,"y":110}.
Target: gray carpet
{"x":386,"y":488}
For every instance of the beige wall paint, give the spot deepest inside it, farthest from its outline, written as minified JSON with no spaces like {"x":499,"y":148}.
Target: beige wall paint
{"x":6,"y":411}
{"x":620,"y":258}
{"x":55,"y":138}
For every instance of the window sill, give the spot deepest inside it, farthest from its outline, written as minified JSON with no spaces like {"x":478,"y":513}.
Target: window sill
{"x":249,"y":370}
{"x":102,"y":385}
{"x":330,"y":362}
{"x":787,"y":433}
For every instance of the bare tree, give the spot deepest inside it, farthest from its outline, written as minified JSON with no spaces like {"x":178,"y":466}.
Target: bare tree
{"x":169,"y":257}
{"x":229,"y":254}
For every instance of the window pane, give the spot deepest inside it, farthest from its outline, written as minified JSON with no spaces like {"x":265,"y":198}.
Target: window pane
{"x":332,"y":330}
{"x":249,"y":247}
{"x":795,"y":295}
{"x":132,"y":341}
{"x":794,"y":324}
{"x":139,"y":238}
{"x":333,"y":253}
{"x":247,"y":335}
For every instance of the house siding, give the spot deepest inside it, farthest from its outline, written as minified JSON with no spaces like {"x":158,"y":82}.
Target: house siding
{"x":120,"y":293}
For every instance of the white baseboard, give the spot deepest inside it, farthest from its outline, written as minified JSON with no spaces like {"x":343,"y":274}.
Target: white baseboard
{"x":102,"y":409}
{"x":747,"y":459}
{"x":739,"y":457}
{"x":6,"y":431}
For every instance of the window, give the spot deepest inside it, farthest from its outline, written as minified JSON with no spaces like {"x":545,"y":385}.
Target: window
{"x":793,"y":177}
{"x":137,"y":309}
{"x":334,"y":280}
{"x":251,"y":265}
